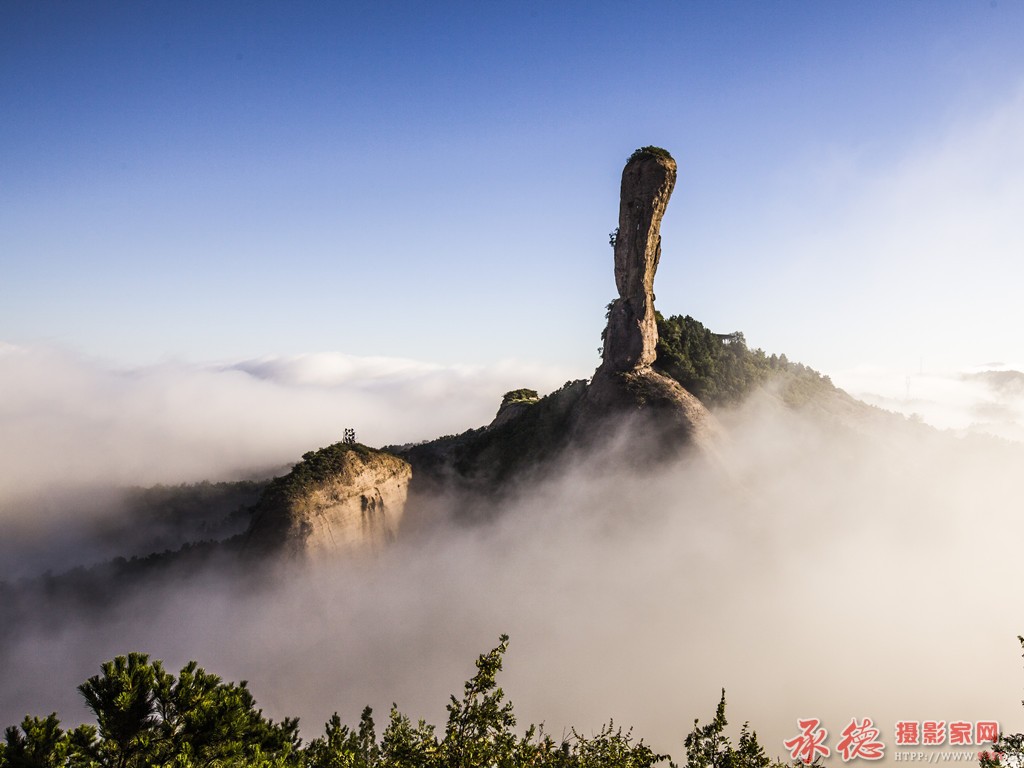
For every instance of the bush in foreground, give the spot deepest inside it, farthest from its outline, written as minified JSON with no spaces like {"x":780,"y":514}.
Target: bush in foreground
{"x":146,"y":716}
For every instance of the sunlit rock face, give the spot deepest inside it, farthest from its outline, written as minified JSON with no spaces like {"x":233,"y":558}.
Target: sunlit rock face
{"x":341,"y":499}
{"x":625,"y":387}
{"x":631,"y":338}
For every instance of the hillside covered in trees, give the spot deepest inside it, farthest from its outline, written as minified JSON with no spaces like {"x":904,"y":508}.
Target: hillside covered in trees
{"x":721,"y":370}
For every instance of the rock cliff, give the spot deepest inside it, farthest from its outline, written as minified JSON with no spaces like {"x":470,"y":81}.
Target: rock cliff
{"x":625,"y":388}
{"x":341,"y":499}
{"x":631,"y":338}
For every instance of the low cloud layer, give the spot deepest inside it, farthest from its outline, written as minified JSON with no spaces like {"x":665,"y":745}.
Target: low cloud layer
{"x":987,"y":399}
{"x":837,"y":570}
{"x":67,"y":421}
{"x":75,"y":430}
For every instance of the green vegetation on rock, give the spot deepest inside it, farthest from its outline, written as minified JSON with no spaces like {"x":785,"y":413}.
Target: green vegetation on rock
{"x":484,"y":459}
{"x":519,"y":396}
{"x":719,"y":369}
{"x":650,"y":150}
{"x":317,"y":467}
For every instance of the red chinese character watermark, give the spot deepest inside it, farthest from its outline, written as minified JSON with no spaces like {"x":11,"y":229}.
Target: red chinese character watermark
{"x":960,"y":732}
{"x":908,"y":732}
{"x":986,"y":730}
{"x":933,"y":732}
{"x":810,"y":743}
{"x":861,"y":740}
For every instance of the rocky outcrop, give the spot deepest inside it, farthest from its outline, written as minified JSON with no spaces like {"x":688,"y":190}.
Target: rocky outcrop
{"x":522,"y":442}
{"x":631,"y":338}
{"x":625,"y":389}
{"x":514,"y":404}
{"x":351,"y":498}
{"x":341,"y":499}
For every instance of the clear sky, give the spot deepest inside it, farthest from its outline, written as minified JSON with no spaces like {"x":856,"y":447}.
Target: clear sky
{"x":437,"y":181}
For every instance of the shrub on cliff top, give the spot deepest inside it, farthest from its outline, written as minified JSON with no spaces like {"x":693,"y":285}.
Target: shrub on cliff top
{"x":651,"y":150}
{"x":316,"y":467}
{"x":520,"y":396}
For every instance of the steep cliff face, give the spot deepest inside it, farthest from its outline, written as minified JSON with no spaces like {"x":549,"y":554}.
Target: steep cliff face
{"x":631,"y":338}
{"x":625,"y":387}
{"x":340,"y":499}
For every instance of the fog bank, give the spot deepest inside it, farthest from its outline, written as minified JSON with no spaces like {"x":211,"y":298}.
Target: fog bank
{"x":68,"y":421}
{"x":836,"y":571}
{"x":985,"y":399}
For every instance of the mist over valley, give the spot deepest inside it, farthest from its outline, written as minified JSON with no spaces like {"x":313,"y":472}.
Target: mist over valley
{"x":806,"y":551}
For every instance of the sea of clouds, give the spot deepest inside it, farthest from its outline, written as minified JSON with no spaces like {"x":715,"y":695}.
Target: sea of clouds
{"x":831,"y":572}
{"x":70,"y":421}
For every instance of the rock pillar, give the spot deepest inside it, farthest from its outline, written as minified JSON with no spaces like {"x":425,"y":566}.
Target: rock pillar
{"x":631,"y":337}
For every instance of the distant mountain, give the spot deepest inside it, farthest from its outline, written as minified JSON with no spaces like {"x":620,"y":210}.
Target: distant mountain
{"x":1005,"y":382}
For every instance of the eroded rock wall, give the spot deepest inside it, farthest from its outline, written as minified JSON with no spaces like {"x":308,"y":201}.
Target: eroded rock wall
{"x":625,"y":390}
{"x":338,"y":500}
{"x":631,"y":337}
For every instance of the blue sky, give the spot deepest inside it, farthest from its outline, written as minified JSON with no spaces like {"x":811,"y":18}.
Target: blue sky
{"x":436,"y":181}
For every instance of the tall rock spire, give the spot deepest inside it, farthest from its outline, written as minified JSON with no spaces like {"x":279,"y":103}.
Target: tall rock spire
{"x":626,"y":390}
{"x":631,"y":338}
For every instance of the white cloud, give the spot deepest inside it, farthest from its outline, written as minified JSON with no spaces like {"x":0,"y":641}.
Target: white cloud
{"x":68,"y":421}
{"x":970,"y":401}
{"x":831,"y":574}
